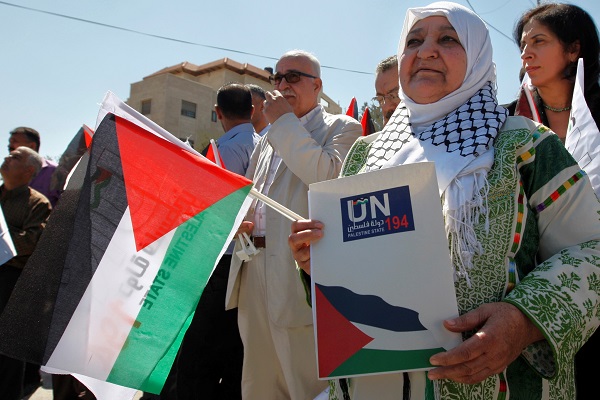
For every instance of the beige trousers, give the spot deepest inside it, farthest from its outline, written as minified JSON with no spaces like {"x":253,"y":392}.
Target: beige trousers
{"x":279,"y":362}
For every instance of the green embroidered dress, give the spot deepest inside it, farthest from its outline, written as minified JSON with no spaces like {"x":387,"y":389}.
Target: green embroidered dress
{"x":542,"y":254}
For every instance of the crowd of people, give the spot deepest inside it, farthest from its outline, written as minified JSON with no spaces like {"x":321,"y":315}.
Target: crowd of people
{"x":520,"y":213}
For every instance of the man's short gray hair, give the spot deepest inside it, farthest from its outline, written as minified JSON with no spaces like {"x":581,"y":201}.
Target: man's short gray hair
{"x":316,"y":65}
{"x":33,"y":158}
{"x":256,"y":90}
{"x":386,"y":64}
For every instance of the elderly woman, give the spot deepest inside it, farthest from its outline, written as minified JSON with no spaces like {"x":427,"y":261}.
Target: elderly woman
{"x":525,"y":242}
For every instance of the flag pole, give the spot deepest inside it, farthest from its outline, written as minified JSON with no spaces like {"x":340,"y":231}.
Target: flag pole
{"x":286,"y":212}
{"x":215,"y":150}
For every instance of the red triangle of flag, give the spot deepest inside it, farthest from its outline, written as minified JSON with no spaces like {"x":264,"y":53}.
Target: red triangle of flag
{"x":213,"y":155}
{"x":165,"y":184}
{"x":88,"y":133}
{"x":367,"y":123}
{"x":338,"y":339}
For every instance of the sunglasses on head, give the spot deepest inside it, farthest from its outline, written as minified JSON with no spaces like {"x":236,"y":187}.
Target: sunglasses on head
{"x":290,"y":77}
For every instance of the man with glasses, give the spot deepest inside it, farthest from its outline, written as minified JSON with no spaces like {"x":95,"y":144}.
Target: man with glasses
{"x":387,"y":86}
{"x":304,"y":145}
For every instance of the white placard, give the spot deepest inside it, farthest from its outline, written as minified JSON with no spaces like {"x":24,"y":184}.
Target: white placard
{"x":382,"y":280}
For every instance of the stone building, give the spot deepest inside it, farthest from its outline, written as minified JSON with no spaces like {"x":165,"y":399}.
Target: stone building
{"x":181,"y":98}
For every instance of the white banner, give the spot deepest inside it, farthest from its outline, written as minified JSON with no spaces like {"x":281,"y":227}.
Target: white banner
{"x":7,"y":247}
{"x":583,"y":137}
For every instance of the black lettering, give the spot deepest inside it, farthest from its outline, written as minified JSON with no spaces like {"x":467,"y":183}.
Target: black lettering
{"x":164,"y":274}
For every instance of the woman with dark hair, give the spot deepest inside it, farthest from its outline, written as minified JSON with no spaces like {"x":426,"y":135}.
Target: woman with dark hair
{"x":552,"y":37}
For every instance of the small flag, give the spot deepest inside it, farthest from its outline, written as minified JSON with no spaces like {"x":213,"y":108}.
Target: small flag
{"x":367,"y":123}
{"x":583,"y":137}
{"x":88,"y":133}
{"x":353,"y":109}
{"x":526,"y":106}
{"x":213,"y":154}
{"x":75,"y":149}
{"x":7,"y":247}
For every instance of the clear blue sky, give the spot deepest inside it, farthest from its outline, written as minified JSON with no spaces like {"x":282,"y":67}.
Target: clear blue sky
{"x":55,"y":71}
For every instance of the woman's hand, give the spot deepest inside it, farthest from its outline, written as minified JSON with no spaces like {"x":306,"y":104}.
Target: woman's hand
{"x":503,"y":332}
{"x":304,"y":232}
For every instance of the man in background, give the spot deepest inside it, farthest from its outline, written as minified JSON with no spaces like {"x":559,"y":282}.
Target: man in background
{"x":209,"y":364}
{"x":305,"y":144}
{"x":387,"y":86}
{"x":26,"y":211}
{"x":259,"y":120}
{"x":29,"y":137}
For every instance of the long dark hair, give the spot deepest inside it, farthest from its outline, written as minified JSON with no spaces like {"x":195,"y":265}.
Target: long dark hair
{"x":571,"y":24}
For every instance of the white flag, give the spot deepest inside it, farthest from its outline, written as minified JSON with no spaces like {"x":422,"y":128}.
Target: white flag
{"x":7,"y":247}
{"x":583,"y":138}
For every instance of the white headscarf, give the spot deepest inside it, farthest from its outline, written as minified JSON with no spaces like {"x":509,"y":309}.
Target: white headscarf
{"x":456,"y":132}
{"x":475,"y":39}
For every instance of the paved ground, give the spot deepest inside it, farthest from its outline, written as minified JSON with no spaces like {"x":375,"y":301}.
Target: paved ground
{"x":42,"y":394}
{"x":45,"y":392}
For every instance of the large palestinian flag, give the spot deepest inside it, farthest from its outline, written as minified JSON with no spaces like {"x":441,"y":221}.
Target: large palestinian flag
{"x":116,"y":277}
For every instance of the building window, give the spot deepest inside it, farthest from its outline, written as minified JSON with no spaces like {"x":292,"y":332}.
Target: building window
{"x":213,"y":116}
{"x":188,"y":109}
{"x":146,"y":107}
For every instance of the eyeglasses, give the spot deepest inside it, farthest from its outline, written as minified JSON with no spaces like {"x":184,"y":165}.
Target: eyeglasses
{"x":290,"y":77}
{"x":392,"y":96}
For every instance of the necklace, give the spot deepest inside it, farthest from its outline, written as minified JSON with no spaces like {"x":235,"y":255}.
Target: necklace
{"x":547,"y":107}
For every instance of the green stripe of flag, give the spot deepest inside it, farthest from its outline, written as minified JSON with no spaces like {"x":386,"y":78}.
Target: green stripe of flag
{"x":149,"y":351}
{"x":370,"y":361}
{"x":156,"y":380}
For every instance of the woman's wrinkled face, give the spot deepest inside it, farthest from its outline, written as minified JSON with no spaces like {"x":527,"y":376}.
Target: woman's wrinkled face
{"x":544,"y":56}
{"x":434,"y":63}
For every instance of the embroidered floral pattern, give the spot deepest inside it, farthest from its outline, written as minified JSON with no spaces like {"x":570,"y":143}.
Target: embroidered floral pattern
{"x":552,"y":294}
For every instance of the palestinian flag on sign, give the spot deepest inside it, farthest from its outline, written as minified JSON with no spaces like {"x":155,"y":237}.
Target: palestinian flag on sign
{"x":363,"y":334}
{"x":116,"y":277}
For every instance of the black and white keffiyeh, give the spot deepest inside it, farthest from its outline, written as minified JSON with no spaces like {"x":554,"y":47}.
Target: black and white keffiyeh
{"x":461,"y":146}
{"x":469,"y":130}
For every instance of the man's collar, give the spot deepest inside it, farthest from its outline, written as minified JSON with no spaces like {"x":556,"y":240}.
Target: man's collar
{"x":245,"y":127}
{"x":14,"y":192}
{"x":309,"y":115}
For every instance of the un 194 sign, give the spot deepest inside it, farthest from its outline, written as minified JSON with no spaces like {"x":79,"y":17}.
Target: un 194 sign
{"x":377,"y":213}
